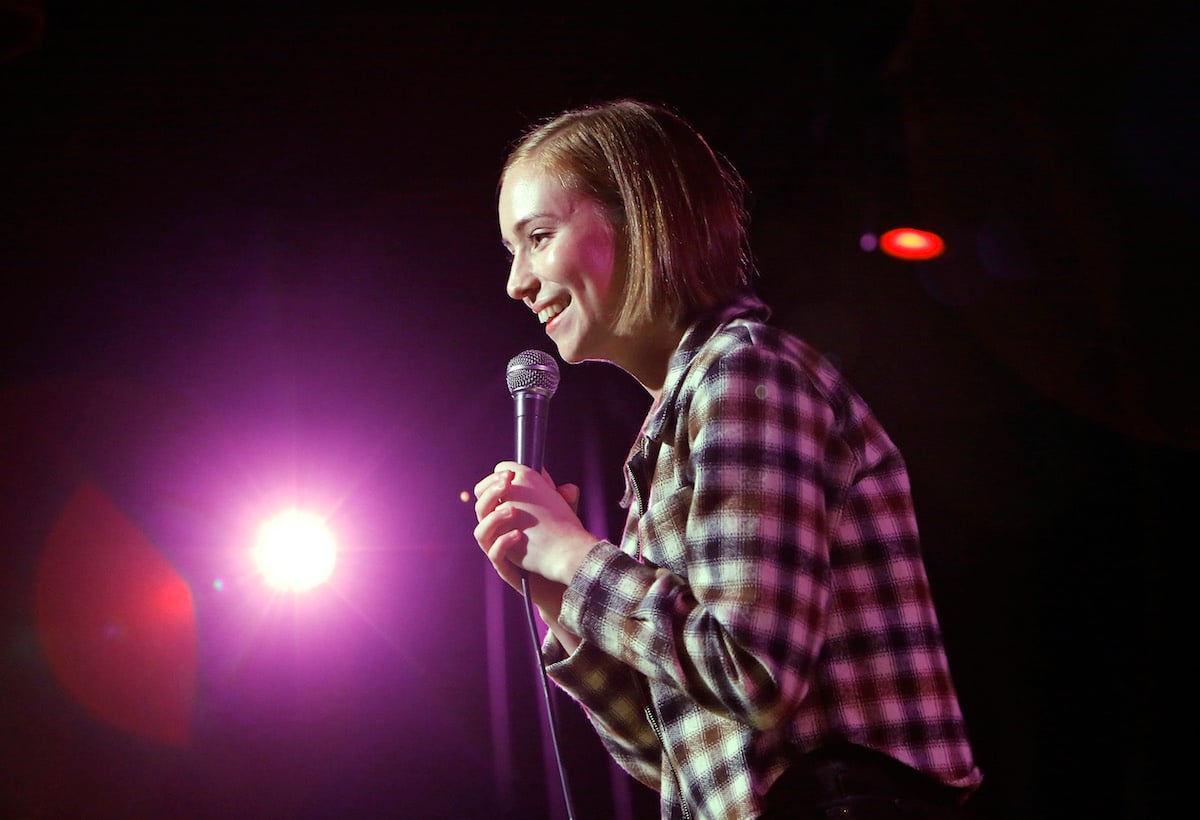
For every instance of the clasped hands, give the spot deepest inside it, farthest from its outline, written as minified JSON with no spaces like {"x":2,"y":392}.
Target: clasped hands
{"x":528,"y":525}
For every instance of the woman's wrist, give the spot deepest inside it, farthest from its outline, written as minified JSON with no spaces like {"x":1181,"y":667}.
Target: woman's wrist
{"x":574,"y":557}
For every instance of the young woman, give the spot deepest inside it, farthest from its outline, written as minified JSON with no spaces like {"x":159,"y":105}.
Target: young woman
{"x":762,"y":641}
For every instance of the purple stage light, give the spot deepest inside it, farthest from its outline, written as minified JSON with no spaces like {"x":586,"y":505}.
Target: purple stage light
{"x":295,"y":550}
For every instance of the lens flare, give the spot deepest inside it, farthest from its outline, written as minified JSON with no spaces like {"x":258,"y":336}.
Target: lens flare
{"x":116,"y":620}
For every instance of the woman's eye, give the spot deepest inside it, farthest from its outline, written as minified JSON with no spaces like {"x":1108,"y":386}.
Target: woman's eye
{"x":535,"y":239}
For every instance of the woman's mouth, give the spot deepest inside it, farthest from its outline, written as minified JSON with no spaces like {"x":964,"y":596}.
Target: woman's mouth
{"x":548,"y":313}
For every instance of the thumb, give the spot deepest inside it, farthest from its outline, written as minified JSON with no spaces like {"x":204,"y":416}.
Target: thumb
{"x":570,"y":494}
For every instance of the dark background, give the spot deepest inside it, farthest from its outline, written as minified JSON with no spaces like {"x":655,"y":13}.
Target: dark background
{"x":250,"y":257}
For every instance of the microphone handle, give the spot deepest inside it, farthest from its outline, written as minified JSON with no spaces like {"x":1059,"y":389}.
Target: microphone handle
{"x":532,"y":410}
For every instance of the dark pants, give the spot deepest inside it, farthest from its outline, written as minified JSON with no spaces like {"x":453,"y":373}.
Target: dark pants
{"x":853,"y":783}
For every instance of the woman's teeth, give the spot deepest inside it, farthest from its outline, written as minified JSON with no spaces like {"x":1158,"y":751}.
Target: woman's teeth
{"x":548,"y":313}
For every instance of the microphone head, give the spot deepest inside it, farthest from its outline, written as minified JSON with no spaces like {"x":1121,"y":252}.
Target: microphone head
{"x":533,"y":371}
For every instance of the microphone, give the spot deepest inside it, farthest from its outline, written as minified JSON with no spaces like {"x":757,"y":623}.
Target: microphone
{"x":532,"y":379}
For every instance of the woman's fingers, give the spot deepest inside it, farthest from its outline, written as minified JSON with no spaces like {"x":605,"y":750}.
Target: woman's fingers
{"x":503,"y":552}
{"x":506,"y":509}
{"x":493,"y":525}
{"x":489,"y":492}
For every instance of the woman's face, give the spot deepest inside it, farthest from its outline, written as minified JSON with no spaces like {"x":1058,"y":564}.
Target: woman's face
{"x":564,"y":261}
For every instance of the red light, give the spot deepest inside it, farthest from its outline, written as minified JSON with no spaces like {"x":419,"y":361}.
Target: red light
{"x":912,"y":244}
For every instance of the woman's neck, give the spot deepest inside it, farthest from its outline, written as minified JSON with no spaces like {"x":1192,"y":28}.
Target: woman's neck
{"x":647,"y":355}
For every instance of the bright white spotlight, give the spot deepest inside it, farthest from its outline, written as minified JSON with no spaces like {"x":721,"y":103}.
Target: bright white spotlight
{"x":295,"y":550}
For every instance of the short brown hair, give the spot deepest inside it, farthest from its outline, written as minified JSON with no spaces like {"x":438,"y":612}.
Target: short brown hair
{"x":677,"y":206}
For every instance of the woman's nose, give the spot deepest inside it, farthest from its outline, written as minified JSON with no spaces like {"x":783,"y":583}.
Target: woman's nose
{"x":522,"y":284}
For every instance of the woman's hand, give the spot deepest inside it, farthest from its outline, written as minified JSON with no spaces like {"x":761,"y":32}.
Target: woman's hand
{"x":526,"y":523}
{"x":509,"y":513}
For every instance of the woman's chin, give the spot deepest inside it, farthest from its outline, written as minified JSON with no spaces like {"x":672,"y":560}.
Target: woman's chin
{"x":569,"y":356}
{"x":570,"y":353}
{"x":567,"y":349}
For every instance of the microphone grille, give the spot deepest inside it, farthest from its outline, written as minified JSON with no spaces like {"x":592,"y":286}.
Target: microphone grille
{"x":533,"y":371}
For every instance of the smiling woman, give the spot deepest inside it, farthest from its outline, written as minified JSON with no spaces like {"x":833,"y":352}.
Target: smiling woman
{"x":727,"y":646}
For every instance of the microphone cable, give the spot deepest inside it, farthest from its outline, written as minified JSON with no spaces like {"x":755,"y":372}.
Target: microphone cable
{"x":551,"y":714}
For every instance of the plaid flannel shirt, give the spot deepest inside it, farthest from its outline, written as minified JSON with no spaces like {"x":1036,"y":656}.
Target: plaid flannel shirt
{"x":768,"y":591}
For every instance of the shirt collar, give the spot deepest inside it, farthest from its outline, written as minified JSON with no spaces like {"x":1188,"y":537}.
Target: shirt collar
{"x":744,"y":305}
